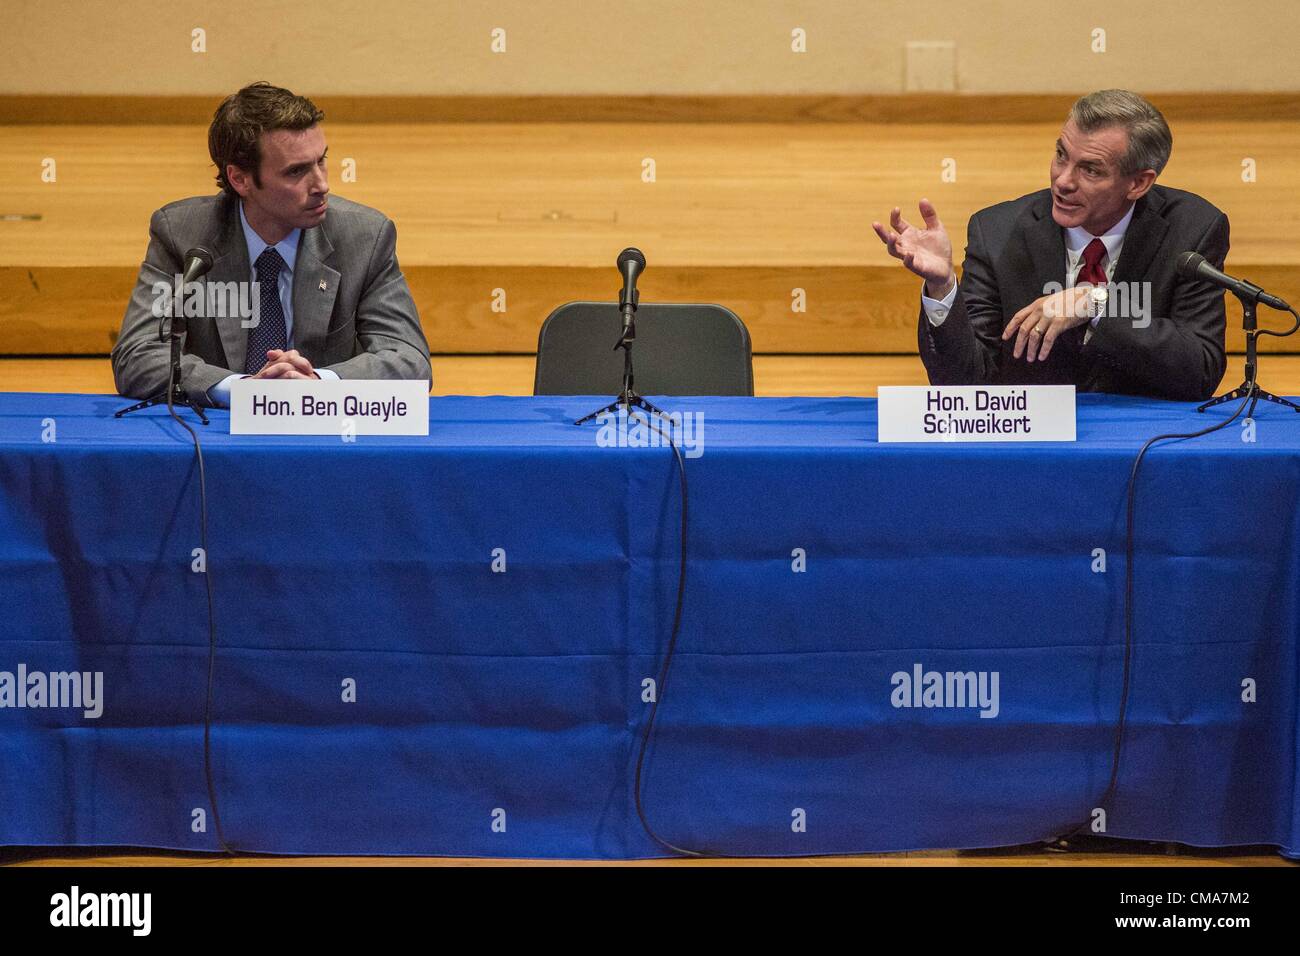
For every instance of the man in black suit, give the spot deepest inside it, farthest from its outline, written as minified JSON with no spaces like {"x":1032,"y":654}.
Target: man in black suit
{"x":1076,"y":284}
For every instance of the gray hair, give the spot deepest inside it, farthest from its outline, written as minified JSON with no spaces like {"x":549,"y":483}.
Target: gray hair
{"x":1149,"y":139}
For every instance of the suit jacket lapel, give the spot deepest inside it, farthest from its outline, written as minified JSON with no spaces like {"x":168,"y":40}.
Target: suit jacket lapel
{"x":315,"y":284}
{"x":1037,"y":258}
{"x":1036,"y":262}
{"x":230,"y":264}
{"x":1142,"y":240}
{"x":1046,"y":245}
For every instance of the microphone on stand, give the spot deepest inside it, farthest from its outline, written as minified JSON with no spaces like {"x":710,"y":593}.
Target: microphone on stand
{"x":197,"y":263}
{"x":1193,"y":265}
{"x":630,"y":263}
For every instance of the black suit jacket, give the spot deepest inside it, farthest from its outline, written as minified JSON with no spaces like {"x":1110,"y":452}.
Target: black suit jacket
{"x":1015,"y":249}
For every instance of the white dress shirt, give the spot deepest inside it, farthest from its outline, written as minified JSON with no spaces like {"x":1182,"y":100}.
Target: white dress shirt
{"x":1076,"y":240}
{"x":288,"y":250}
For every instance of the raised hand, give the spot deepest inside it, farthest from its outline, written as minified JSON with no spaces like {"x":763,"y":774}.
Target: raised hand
{"x":926,"y":252}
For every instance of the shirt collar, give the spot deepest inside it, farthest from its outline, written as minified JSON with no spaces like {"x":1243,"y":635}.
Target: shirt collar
{"x":286,"y":247}
{"x":1077,"y":238}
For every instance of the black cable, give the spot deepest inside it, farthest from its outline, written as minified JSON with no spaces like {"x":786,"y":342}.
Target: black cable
{"x":662,"y":685}
{"x":661,"y":689}
{"x":212,"y":618}
{"x":1113,"y":783}
{"x":1281,"y":335}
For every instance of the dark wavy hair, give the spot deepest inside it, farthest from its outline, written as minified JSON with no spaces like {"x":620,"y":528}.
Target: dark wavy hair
{"x":243,"y":117}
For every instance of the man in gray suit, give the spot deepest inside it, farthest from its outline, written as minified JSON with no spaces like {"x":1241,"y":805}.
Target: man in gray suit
{"x":330,"y":302}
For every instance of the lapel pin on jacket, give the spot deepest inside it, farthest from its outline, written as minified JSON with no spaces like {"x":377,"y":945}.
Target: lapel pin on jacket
{"x":322,"y":285}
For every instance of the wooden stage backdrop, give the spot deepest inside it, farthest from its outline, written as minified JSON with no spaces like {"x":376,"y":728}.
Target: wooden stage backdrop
{"x":507,"y":207}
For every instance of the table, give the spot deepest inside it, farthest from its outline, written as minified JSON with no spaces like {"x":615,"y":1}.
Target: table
{"x":382,"y":688}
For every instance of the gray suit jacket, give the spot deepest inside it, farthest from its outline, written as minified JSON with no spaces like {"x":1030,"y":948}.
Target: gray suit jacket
{"x":363,"y":324}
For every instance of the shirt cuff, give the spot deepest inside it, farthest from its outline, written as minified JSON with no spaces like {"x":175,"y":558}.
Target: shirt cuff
{"x":936,"y":310}
{"x":220,"y":393}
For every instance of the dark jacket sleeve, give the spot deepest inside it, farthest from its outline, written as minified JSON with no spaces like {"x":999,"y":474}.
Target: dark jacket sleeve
{"x":967,"y":348}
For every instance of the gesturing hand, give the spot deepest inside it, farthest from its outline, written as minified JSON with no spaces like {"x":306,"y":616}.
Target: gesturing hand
{"x":926,"y":252}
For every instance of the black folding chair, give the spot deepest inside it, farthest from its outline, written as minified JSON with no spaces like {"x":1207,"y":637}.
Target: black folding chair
{"x":680,"y":349}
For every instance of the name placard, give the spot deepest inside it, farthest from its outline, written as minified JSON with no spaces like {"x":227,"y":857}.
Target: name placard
{"x":962,"y":413}
{"x":328,"y":407}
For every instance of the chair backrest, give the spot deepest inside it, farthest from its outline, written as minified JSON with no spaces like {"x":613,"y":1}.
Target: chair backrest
{"x":680,"y":349}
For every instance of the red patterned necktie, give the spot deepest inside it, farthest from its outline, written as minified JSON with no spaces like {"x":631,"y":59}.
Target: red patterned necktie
{"x":1092,"y":272}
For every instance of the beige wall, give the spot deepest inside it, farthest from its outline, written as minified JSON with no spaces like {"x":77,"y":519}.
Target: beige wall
{"x":646,"y":47}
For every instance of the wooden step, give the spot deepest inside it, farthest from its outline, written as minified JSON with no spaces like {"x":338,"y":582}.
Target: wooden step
{"x":52,"y":310}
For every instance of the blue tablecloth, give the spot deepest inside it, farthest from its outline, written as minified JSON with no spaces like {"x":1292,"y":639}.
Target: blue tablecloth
{"x":497,"y":712}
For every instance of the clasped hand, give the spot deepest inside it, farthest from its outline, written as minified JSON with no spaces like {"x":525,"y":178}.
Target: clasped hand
{"x":1039,"y":324}
{"x":282,"y":364}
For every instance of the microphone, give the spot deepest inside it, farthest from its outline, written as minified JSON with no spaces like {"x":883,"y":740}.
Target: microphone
{"x":197,"y":263}
{"x":630,"y":263}
{"x":1192,"y":265}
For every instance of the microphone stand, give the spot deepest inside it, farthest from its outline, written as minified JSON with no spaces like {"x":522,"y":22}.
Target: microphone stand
{"x":1252,"y":332}
{"x":174,"y":393}
{"x":627,"y":398}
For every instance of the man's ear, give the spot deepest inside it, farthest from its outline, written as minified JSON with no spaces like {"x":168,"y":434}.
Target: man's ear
{"x":240,"y":181}
{"x":1141,"y":184}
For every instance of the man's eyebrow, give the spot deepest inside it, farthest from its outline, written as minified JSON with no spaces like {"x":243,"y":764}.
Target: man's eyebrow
{"x":289,"y":169}
{"x":1094,"y":163}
